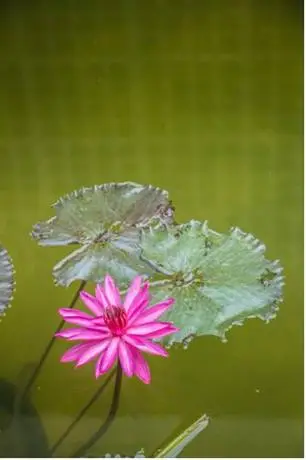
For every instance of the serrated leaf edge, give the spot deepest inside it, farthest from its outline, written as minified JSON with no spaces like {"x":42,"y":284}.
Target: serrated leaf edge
{"x":9,"y":262}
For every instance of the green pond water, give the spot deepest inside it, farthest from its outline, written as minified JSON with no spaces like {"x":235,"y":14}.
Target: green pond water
{"x":202,"y":98}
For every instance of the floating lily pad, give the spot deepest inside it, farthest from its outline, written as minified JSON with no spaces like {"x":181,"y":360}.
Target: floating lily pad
{"x":218,"y":280}
{"x":105,"y":220}
{"x":7,"y":283}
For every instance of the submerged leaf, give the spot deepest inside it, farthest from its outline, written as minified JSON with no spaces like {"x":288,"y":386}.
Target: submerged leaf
{"x":22,"y":434}
{"x":218,"y":280}
{"x":178,"y":444}
{"x":173,"y":448}
{"x":139,"y":454}
{"x":7,"y":282}
{"x":105,"y":220}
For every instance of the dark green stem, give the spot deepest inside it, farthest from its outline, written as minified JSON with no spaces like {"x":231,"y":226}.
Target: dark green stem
{"x":109,"y":419}
{"x":50,"y":345}
{"x":82,"y":412}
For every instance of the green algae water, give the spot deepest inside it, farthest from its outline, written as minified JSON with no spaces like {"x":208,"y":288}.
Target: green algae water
{"x":204,"y":99}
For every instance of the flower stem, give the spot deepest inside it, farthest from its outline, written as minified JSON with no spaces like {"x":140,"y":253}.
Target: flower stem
{"x":50,"y":344}
{"x":82,"y":412}
{"x":109,"y":419}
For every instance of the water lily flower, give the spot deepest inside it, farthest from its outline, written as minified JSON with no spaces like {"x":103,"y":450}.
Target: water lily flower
{"x":117,"y":330}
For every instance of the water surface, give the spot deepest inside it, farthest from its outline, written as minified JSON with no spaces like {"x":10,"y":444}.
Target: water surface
{"x":203,"y":98}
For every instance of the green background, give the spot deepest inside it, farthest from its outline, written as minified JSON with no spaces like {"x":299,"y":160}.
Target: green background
{"x":202,"y":98}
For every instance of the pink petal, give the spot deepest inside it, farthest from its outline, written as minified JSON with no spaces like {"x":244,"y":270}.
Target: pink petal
{"x":87,"y":334}
{"x":132,"y":292}
{"x":141,"y":367}
{"x":71,"y":312}
{"x":97,"y":368}
{"x":167,"y":330}
{"x":108,"y":357}
{"x":92,"y":303}
{"x":100,"y":295}
{"x":126,"y":358}
{"x":73,"y":353}
{"x":98,"y":322}
{"x":111,"y":291}
{"x":67,"y":333}
{"x":92,"y":352}
{"x":151,"y":330}
{"x":76,"y":319}
{"x":151,"y":313}
{"x":83,"y":334}
{"x":139,"y":303}
{"x":145,"y":345}
{"x":137,"y":311}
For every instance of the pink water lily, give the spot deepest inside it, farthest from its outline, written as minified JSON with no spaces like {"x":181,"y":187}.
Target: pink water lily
{"x":117,"y":330}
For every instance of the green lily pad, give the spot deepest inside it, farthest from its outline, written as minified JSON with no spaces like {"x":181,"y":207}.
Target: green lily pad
{"x":7,"y":283}
{"x":93,"y":261}
{"x":105,"y":220}
{"x":218,"y":280}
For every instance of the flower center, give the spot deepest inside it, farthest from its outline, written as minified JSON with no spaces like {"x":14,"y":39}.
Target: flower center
{"x":115,"y":319}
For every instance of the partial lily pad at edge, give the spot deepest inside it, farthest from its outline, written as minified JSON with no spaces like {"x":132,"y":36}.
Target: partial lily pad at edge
{"x":7,"y":282}
{"x":217,"y":280}
{"x":105,"y":220}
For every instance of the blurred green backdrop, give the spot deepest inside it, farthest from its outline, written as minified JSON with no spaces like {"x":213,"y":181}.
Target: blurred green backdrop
{"x":203,"y":98}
